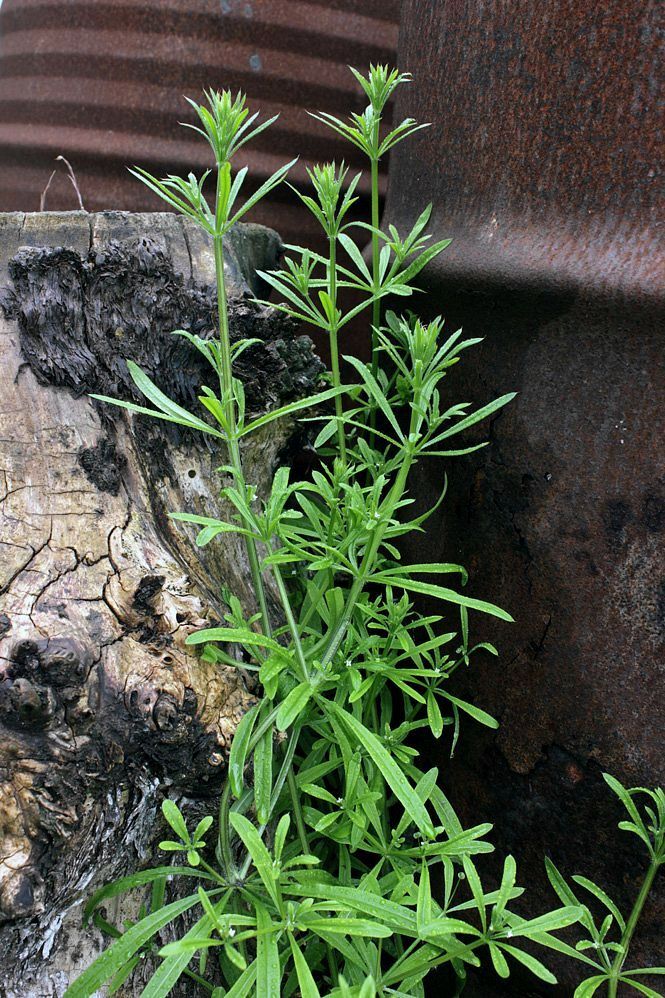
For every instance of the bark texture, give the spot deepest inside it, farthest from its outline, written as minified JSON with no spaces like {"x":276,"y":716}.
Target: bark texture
{"x":102,"y":707}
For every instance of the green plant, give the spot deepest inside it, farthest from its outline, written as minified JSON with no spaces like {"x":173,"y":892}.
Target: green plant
{"x":328,"y":832}
{"x":598,"y":950}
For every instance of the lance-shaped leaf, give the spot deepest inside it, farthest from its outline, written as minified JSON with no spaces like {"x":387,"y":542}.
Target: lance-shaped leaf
{"x":254,"y":845}
{"x":117,"y":955}
{"x":293,"y":705}
{"x":389,"y":769}
{"x":268,"y":971}
{"x":450,"y":596}
{"x":263,"y":775}
{"x":266,"y":187}
{"x":474,"y":417}
{"x":288,"y":410}
{"x":306,"y":982}
{"x":239,"y":749}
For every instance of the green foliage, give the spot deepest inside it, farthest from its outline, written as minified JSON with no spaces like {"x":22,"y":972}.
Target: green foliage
{"x":605,"y":946}
{"x":329,"y":834}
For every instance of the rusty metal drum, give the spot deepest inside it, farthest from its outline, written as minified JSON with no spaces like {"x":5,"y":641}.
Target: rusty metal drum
{"x":101,"y":82}
{"x":543,"y":165}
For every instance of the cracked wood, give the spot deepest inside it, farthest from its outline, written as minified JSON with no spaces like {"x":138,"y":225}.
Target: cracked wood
{"x":101,"y":704}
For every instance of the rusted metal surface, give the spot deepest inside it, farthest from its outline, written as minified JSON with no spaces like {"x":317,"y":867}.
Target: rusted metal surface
{"x":101,"y":82}
{"x":543,"y":165}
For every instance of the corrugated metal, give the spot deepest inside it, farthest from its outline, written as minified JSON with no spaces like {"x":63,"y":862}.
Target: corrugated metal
{"x":101,"y":82}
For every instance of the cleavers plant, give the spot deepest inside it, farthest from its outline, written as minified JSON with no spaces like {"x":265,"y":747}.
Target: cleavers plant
{"x":606,"y":942}
{"x":328,"y":833}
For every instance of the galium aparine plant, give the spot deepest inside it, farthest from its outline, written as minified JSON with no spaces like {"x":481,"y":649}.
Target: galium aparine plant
{"x":315,"y":875}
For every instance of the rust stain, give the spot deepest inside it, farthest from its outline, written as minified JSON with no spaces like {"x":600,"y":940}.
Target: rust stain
{"x":544,"y":165}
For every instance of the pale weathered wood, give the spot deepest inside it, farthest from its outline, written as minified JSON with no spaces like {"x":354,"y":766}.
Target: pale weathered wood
{"x":102,"y":707}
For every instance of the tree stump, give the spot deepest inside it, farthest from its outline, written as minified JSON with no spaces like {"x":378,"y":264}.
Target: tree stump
{"x":102,"y":707}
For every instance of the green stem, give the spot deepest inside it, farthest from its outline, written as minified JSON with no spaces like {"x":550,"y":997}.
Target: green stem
{"x":337,"y":636}
{"x":631,"y":925}
{"x":226,"y":386}
{"x":334,"y":349}
{"x":291,"y":621}
{"x":376,"y":304}
{"x":213,"y":873}
{"x":297,"y":811}
{"x":396,"y":493}
{"x":199,"y":980}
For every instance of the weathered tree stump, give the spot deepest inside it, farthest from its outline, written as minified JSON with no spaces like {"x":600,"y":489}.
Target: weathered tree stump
{"x":102,"y":707}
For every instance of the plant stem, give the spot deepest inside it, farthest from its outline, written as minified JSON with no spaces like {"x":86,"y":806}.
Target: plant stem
{"x":360,"y":581}
{"x":297,"y":811}
{"x":334,"y":349}
{"x":631,"y":925}
{"x":226,"y":386}
{"x":291,"y":621}
{"x":376,"y":304}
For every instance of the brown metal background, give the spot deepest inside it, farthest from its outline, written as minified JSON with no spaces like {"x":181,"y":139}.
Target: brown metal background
{"x":544,"y":165}
{"x":101,"y":82}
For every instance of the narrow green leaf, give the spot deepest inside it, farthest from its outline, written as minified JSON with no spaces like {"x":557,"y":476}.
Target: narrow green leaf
{"x":293,"y":705}
{"x":427,"y":568}
{"x":268,"y":972}
{"x":239,"y":748}
{"x":251,"y":639}
{"x":507,"y":885}
{"x":288,"y":410}
{"x":641,"y":988}
{"x":140,"y":879}
{"x":171,"y":968}
{"x":112,"y":959}
{"x":589,"y":987}
{"x":530,"y":962}
{"x":171,"y":812}
{"x":123,"y":974}
{"x":475,"y":417}
{"x":156,"y":414}
{"x":476,"y":889}
{"x":626,"y":800}
{"x":424,"y":903}
{"x":499,"y":961}
{"x":475,"y":712}
{"x":561,"y":888}
{"x":376,"y":393}
{"x":390,"y":771}
{"x":443,"y":926}
{"x":263,"y":775}
{"x":434,"y":716}
{"x":162,"y":401}
{"x":245,"y":983}
{"x":450,"y":596}
{"x":549,"y":922}
{"x":604,"y":899}
{"x":265,"y":188}
{"x":356,"y":256}
{"x":399,"y":918}
{"x":306,"y":982}
{"x":257,"y":850}
{"x":349,"y":927}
